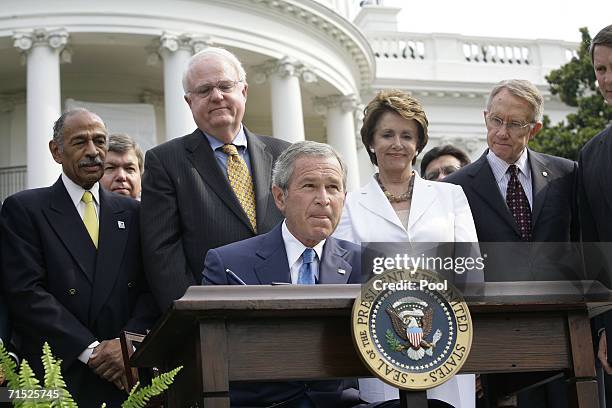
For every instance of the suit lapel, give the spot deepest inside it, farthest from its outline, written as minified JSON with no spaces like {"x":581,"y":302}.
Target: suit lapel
{"x":604,"y":155}
{"x":68,"y":225}
{"x":371,"y":197}
{"x":486,"y":187}
{"x":111,"y":250}
{"x":333,"y":264}
{"x":202,"y":157}
{"x":273,"y":265}
{"x":261,"y":167}
{"x":422,"y":201}
{"x":540,"y":183}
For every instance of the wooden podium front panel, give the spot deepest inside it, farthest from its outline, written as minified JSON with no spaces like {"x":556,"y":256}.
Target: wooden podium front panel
{"x":518,"y":342}
{"x":293,"y":348}
{"x":302,"y":348}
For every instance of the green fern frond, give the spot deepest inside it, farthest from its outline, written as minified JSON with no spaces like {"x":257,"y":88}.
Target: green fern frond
{"x":27,"y":381}
{"x":139,"y":398}
{"x":55,"y":380}
{"x":9,"y":368}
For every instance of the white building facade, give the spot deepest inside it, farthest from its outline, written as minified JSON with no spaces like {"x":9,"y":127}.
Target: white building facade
{"x":311,"y":65}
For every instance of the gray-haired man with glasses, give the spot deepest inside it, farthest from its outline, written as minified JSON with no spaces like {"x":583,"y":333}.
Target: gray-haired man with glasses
{"x":518,"y":195}
{"x":209,"y":188}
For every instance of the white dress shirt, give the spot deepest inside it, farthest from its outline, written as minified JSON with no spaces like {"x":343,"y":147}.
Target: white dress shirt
{"x":295,"y":249}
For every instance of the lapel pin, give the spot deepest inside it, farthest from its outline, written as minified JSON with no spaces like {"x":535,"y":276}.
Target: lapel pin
{"x":121,"y":224}
{"x":545,"y":173}
{"x":341,"y":271}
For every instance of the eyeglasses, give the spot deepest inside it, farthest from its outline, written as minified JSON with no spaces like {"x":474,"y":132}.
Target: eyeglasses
{"x":445,"y":171}
{"x":224,"y":87}
{"x":514,"y":127}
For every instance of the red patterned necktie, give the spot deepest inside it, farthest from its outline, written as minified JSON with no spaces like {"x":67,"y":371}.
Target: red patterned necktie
{"x":518,"y":204}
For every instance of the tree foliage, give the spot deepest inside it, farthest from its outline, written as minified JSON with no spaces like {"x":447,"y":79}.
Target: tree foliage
{"x":575,"y":84}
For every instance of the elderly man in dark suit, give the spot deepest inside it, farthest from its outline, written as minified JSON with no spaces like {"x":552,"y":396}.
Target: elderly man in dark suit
{"x":521,"y":196}
{"x":71,"y":266}
{"x":595,"y":196}
{"x":517,"y":194}
{"x":209,"y":188}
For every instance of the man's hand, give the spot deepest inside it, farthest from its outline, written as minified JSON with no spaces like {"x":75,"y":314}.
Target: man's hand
{"x":107,"y":362}
{"x":602,"y":353}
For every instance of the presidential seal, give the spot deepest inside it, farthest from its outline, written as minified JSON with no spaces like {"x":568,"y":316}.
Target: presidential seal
{"x":412,"y":330}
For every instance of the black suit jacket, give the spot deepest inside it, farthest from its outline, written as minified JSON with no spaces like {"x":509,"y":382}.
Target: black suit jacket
{"x":595,"y":204}
{"x":554,"y":213}
{"x":260,"y":261}
{"x":550,"y":255}
{"x":61,"y":290}
{"x":189,"y":207}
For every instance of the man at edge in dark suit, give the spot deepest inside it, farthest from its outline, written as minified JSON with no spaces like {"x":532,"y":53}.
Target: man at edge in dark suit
{"x":209,"y":188}
{"x":595,"y":194}
{"x":71,"y":266}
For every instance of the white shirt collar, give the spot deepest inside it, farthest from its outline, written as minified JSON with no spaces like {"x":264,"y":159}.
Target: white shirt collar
{"x":76,"y":192}
{"x":239,"y":140}
{"x":295,"y":248}
{"x":500,"y":167}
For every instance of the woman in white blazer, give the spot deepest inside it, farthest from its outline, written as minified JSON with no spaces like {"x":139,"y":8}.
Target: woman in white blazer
{"x":399,"y":206}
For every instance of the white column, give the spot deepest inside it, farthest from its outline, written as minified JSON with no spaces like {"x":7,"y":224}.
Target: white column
{"x":176,"y":49}
{"x":286,"y":97}
{"x":41,"y":48}
{"x":340,"y":124}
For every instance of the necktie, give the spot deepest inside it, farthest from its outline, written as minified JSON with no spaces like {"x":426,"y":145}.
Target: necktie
{"x":89,"y":217}
{"x":241,"y":182}
{"x":306,"y":275}
{"x":518,"y":204}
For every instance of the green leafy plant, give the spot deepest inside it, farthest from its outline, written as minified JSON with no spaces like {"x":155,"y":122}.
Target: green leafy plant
{"x":53,"y":380}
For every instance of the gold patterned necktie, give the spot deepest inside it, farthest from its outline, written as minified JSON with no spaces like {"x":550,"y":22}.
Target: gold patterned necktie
{"x":89,"y":217}
{"x":241,"y":182}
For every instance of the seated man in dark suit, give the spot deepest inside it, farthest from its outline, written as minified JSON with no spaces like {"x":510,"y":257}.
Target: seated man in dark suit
{"x":308,"y":186}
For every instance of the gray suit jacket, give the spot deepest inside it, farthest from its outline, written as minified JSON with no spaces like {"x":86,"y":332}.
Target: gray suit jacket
{"x":188,"y":207}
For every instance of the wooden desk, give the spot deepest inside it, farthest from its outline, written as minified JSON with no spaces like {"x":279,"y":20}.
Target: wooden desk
{"x":246,"y":333}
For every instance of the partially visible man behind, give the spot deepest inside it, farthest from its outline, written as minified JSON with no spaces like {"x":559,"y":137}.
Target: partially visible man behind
{"x":123,"y":166}
{"x":442,"y":161}
{"x":309,"y":189}
{"x":209,"y":188}
{"x":595,"y":189}
{"x":71,"y":266}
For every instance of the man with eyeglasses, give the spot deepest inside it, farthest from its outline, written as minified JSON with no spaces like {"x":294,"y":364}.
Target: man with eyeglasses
{"x":442,"y":161}
{"x":209,"y":188}
{"x":517,"y":194}
{"x":517,"y":197}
